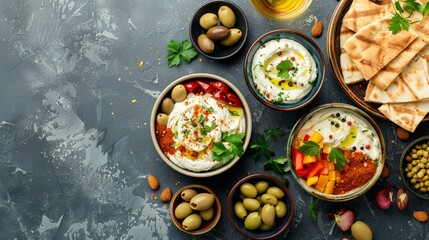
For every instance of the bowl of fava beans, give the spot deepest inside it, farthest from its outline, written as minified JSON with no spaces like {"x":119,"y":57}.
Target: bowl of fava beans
{"x":414,"y":167}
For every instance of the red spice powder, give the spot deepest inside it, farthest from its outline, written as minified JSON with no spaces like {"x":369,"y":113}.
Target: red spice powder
{"x":164,"y":136}
{"x":358,"y":171}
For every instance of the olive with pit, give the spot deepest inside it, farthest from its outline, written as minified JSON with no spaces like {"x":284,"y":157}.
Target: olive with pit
{"x":262,"y":186}
{"x":226,"y":16}
{"x":208,"y":20}
{"x":179,"y":93}
{"x":218,"y":32}
{"x":182,"y":210}
{"x":192,"y":222}
{"x":251,"y":204}
{"x":232,"y":38}
{"x":208,"y":214}
{"x":167,"y":105}
{"x":248,"y":190}
{"x":281,"y":209}
{"x":188,"y":194}
{"x":205,"y":43}
{"x":276,"y":192}
{"x":202,"y":201}
{"x":162,"y":119}
{"x":253,"y":221}
{"x":268,"y":214}
{"x":239,"y":210}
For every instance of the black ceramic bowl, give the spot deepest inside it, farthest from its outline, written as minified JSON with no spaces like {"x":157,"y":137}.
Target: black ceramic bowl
{"x":220,"y":52}
{"x":281,"y":224}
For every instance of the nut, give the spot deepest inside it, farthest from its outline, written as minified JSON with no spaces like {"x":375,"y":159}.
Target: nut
{"x":153,"y":182}
{"x":165,"y":196}
{"x":317,"y":29}
{"x":385,"y":173}
{"x":421,"y":216}
{"x":402,"y":134}
{"x":401,"y":199}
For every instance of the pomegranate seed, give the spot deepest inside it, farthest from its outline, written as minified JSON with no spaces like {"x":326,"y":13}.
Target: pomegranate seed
{"x":367,"y":146}
{"x":292,"y":58}
{"x":279,"y":53}
{"x":330,"y":136}
{"x":360,"y":86}
{"x":349,"y":123}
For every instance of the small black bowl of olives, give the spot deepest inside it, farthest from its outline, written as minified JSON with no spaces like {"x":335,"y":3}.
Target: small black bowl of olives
{"x":260,"y":206}
{"x":218,"y":29}
{"x":414,"y":167}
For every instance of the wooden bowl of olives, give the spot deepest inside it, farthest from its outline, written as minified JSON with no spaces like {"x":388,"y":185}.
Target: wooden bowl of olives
{"x":195,"y":209}
{"x":218,"y":29}
{"x":414,"y":167}
{"x":260,"y":206}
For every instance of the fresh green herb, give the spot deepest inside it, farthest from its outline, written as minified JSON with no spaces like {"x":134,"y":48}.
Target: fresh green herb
{"x":201,"y":119}
{"x":314,"y":209}
{"x":261,"y":147}
{"x":184,"y":50}
{"x":310,"y":148}
{"x":400,"y":21}
{"x":209,"y":128}
{"x":275,"y":164}
{"x":283,"y":69}
{"x":337,"y":156}
{"x":286,"y":182}
{"x":223,"y":154}
{"x":234,"y":113}
{"x":274,"y":133}
{"x":210,"y":109}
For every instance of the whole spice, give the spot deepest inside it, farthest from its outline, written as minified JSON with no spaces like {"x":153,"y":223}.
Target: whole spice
{"x":421,"y":216}
{"x":402,"y":134}
{"x":153,"y":182}
{"x":317,"y":29}
{"x":344,"y":219}
{"x":401,"y":199}
{"x":165,"y":196}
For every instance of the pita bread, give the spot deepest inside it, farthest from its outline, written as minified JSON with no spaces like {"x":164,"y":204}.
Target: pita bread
{"x":374,"y":46}
{"x":387,"y":74}
{"x":361,"y":13}
{"x":416,"y":78}
{"x":351,"y":73}
{"x":406,"y":115}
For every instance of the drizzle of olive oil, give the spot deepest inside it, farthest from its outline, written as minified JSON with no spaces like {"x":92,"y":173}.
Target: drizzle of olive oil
{"x":281,"y":9}
{"x":351,"y":137}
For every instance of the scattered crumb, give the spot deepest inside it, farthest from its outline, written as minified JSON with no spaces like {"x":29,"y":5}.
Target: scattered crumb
{"x":113,"y":113}
{"x":140,"y":65}
{"x":154,"y":196}
{"x":133,"y":101}
{"x":200,"y":59}
{"x":119,"y":79}
{"x":177,"y":183}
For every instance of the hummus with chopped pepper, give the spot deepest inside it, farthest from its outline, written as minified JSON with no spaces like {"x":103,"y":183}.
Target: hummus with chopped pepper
{"x":283,"y":71}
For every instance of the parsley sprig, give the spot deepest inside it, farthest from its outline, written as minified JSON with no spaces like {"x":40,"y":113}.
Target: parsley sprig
{"x":223,"y":154}
{"x":337,"y":156}
{"x":311,"y":148}
{"x":283,"y":69}
{"x":314,"y":209}
{"x":404,"y":10}
{"x":184,"y":50}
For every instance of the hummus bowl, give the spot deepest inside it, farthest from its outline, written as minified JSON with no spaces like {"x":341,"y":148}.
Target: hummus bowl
{"x":200,"y":125}
{"x":337,"y":152}
{"x":284,"y":69}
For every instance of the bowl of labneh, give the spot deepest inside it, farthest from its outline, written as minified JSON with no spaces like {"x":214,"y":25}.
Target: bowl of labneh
{"x":200,"y":125}
{"x":284,"y":69}
{"x":337,"y":152}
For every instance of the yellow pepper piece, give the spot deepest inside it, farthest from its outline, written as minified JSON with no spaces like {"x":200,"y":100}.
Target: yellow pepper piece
{"x":332,"y":175}
{"x":330,"y":187}
{"x":316,"y":137}
{"x":323,"y":179}
{"x":311,"y":181}
{"x":309,"y":159}
{"x":337,"y":176}
{"x":319,"y":188}
{"x":331,"y":166}
{"x":326,"y":149}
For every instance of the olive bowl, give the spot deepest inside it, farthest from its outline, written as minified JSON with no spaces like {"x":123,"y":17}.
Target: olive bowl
{"x":314,"y":52}
{"x":167,"y":92}
{"x":220,"y":51}
{"x":206,"y":226}
{"x":298,"y":132}
{"x":281,"y":224}
{"x":403,"y":162}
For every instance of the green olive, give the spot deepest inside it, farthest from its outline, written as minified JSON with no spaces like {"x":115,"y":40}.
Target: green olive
{"x":182,"y":210}
{"x":253,"y":221}
{"x":162,"y":119}
{"x":202,"y":201}
{"x":281,"y":209}
{"x":208,"y":214}
{"x":205,"y":43}
{"x":269,"y":199}
{"x":361,"y":231}
{"x":179,"y":93}
{"x":262,"y":186}
{"x":251,"y":204}
{"x":268,"y":214}
{"x":167,"y":105}
{"x":188,"y":194}
{"x":265,"y":227}
{"x":276,"y":192}
{"x":233,"y":37}
{"x":239,"y":210}
{"x":248,"y":190}
{"x":226,"y":16}
{"x":192,"y":222}
{"x":208,"y":20}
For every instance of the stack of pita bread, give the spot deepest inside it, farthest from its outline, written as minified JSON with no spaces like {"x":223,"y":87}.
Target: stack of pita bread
{"x":396,"y":65}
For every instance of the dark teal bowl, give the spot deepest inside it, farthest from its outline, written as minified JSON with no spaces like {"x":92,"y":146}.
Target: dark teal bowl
{"x":312,"y":48}
{"x":281,"y":224}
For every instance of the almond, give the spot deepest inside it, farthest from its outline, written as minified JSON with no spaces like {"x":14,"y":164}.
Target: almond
{"x":165,"y":195}
{"x":402,"y":134}
{"x":317,"y":29}
{"x":153,"y":182}
{"x":421,"y":216}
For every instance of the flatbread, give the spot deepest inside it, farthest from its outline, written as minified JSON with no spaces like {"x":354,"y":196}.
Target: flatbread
{"x":416,"y":78}
{"x":387,"y":74}
{"x":406,"y":115}
{"x":374,"y":46}
{"x":351,"y":73}
{"x":361,"y":13}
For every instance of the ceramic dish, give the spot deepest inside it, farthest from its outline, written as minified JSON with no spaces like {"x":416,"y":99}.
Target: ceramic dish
{"x":314,"y":53}
{"x":345,"y":128}
{"x":356,"y":92}
{"x":197,"y":137}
